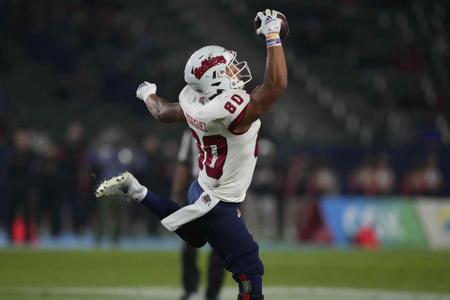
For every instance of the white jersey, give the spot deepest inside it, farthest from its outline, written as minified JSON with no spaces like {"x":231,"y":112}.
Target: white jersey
{"x":226,"y":160}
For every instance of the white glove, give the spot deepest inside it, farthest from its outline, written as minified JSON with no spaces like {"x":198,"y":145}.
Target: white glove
{"x":145,"y":89}
{"x":269,"y":22}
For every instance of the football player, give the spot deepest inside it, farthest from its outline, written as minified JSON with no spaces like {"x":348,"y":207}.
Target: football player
{"x":224,"y":120}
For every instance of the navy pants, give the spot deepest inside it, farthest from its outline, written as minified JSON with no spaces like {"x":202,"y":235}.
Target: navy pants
{"x":224,"y":229}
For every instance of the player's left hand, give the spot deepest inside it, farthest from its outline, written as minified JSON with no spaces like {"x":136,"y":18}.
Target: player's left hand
{"x":269,"y":22}
{"x":145,"y":89}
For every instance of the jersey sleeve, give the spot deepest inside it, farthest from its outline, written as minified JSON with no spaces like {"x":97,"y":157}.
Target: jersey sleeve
{"x":233,"y":106}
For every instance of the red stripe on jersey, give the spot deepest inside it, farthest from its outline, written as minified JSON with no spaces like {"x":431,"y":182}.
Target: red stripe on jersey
{"x":236,"y":122}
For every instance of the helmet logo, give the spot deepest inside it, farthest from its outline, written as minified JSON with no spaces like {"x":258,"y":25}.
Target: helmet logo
{"x":208,"y":64}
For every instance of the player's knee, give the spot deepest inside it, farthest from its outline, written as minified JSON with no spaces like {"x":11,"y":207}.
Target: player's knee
{"x":246,"y":262}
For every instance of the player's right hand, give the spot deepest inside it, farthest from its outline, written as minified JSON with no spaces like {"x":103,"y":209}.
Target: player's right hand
{"x":269,"y":22}
{"x":145,"y":89}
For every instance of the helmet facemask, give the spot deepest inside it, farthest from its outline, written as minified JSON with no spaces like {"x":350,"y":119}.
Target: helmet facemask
{"x":238,"y":72}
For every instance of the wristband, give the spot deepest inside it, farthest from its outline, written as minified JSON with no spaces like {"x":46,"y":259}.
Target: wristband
{"x":273,"y":43}
{"x":273,"y":39}
{"x":272,"y":35}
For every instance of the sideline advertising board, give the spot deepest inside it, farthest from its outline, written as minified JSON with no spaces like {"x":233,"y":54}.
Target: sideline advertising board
{"x":435,"y":217}
{"x":393,"y":220}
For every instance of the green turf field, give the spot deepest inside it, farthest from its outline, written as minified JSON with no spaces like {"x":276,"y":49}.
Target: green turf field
{"x":412,"y":271}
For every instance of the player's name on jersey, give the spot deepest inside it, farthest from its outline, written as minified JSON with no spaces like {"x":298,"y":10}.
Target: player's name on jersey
{"x":196,"y":123}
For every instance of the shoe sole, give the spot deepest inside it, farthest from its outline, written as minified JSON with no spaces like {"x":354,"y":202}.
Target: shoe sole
{"x":109,"y":184}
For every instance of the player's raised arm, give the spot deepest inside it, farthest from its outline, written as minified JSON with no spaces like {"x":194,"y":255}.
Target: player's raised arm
{"x":161,"y":109}
{"x":276,"y":77}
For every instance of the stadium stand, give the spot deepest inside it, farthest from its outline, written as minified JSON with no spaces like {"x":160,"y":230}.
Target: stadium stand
{"x":369,"y":80}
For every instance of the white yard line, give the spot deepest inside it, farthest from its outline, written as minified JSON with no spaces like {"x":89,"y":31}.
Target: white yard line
{"x":271,"y":293}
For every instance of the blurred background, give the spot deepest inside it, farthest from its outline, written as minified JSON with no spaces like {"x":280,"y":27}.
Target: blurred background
{"x":355,"y":156}
{"x":357,"y":151}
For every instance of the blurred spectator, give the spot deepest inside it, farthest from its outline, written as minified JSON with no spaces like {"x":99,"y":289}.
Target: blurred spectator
{"x":21,"y":189}
{"x":432,"y":175}
{"x":154,"y":174}
{"x":424,"y":179}
{"x":413,"y":181}
{"x":48,"y":180}
{"x":373,"y":177}
{"x":361,"y":178}
{"x":295,"y":204}
{"x":262,"y":209}
{"x":323,"y":180}
{"x":295,"y":180}
{"x":384,"y":176}
{"x":74,"y":176}
{"x":111,"y":154}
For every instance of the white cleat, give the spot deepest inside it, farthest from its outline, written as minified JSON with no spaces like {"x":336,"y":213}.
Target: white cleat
{"x":122,"y":185}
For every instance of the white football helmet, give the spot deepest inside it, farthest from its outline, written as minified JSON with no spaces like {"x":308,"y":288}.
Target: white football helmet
{"x":213,"y":68}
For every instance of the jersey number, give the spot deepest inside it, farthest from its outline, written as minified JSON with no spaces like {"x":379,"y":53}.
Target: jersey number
{"x":230,"y":106}
{"x":212,"y":151}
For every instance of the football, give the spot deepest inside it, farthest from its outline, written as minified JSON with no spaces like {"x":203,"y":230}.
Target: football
{"x":284,"y":31}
